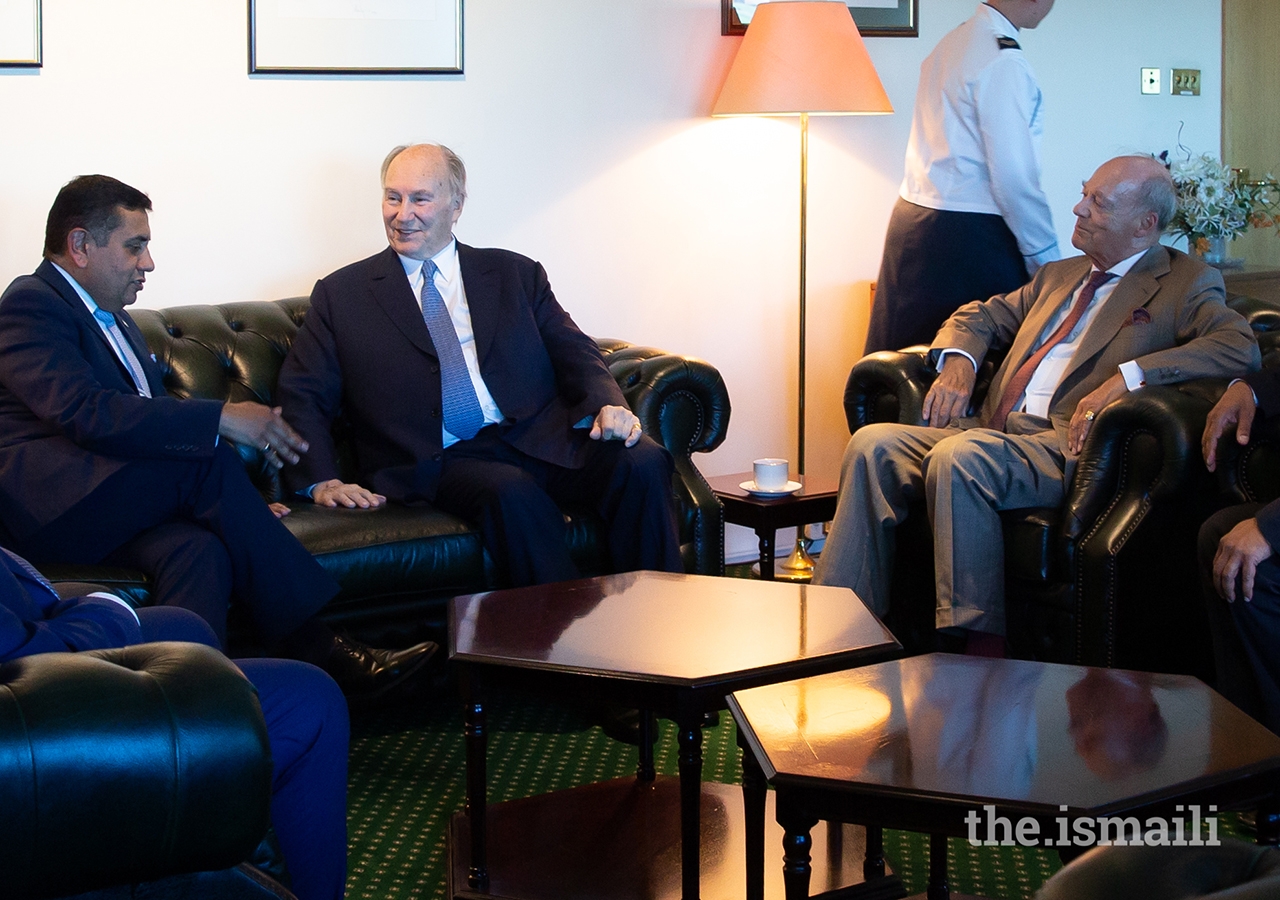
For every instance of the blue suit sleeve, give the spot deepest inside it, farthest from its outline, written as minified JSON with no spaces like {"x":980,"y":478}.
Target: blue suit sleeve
{"x":31,"y":624}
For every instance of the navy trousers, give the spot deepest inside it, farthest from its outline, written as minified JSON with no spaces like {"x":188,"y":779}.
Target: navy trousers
{"x":1246,"y":636}
{"x":515,"y":500}
{"x":934,"y":262}
{"x":308,"y":729}
{"x":203,"y":534}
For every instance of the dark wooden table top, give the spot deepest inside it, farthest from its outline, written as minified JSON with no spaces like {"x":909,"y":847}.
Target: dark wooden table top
{"x":812,"y":487}
{"x":691,"y":631}
{"x":1017,"y":733}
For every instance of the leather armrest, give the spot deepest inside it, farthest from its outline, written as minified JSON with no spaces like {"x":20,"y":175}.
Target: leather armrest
{"x":888,"y":386}
{"x":128,"y":765}
{"x":1143,"y":450}
{"x":683,"y":404}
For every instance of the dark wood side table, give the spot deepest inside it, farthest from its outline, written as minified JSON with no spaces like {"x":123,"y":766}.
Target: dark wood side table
{"x":672,"y":644}
{"x":814,"y":502}
{"x":971,"y":747}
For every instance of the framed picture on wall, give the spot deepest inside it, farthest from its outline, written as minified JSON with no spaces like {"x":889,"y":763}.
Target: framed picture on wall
{"x":875,"y":18}
{"x":355,"y":37}
{"x":20,"y":44}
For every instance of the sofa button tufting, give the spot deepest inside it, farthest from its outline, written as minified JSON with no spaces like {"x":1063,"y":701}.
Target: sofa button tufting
{"x":174,"y":331}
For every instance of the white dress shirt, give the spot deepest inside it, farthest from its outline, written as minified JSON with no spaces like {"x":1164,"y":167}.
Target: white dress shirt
{"x":448,"y":281}
{"x":976,"y":134}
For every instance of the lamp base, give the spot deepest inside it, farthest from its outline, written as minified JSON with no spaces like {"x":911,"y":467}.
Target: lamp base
{"x":799,"y":565}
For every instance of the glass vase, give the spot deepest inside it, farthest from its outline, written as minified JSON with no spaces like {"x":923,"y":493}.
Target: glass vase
{"x":1215,"y":250}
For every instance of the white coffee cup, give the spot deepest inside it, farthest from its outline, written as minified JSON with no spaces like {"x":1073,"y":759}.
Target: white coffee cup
{"x":770,"y":474}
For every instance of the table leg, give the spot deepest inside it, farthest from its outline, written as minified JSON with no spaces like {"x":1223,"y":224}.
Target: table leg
{"x":938,"y":887}
{"x":753,"y":802}
{"x":690,"y":741}
{"x":767,"y":537}
{"x":477,"y":740}
{"x":648,"y":734}
{"x":873,"y":865}
{"x":796,"y":869}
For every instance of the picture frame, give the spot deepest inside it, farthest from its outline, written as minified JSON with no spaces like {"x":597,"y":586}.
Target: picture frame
{"x":355,"y":37}
{"x":21,"y":42}
{"x":875,"y":18}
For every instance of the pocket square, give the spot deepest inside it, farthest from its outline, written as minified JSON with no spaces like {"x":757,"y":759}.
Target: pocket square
{"x":1139,"y":317}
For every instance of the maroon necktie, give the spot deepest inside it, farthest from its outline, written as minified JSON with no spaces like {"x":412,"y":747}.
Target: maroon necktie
{"x":1018,"y":383}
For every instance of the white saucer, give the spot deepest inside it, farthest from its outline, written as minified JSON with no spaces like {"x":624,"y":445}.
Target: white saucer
{"x":751,"y":488}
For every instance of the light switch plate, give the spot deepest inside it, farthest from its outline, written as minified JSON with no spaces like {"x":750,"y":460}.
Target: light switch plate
{"x":1151,"y":80}
{"x":1185,"y":82}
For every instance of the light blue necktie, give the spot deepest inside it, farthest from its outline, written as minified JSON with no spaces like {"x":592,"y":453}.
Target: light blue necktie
{"x":462,"y":414}
{"x":124,"y":349}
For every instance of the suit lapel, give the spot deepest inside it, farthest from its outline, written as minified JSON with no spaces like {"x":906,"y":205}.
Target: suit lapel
{"x":52,"y":277}
{"x":150,"y":368}
{"x":482,"y":287}
{"x":1032,"y":328}
{"x":1132,"y":292}
{"x":391,"y":291}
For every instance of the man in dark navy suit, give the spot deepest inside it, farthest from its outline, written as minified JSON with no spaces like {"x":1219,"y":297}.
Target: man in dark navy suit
{"x":99,"y":465}
{"x":467,"y":386}
{"x":305,"y":714}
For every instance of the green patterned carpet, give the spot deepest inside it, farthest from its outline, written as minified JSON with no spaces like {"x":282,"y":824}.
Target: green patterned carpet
{"x":407,"y":778}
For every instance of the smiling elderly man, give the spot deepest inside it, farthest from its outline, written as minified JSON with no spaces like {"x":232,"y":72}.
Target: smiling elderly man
{"x":467,"y":386}
{"x":1080,"y":335}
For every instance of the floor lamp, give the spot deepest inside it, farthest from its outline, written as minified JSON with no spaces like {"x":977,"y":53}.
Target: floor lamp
{"x":802,"y":59}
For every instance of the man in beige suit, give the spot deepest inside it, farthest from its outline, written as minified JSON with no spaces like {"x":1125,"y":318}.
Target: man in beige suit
{"x":1081,"y":334}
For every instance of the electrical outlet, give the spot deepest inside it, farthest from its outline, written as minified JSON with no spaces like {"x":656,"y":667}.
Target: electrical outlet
{"x":1185,"y":82}
{"x":1151,"y":81}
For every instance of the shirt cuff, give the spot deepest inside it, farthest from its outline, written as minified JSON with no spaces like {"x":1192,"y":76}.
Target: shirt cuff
{"x":1133,"y":375}
{"x":1249,"y":386}
{"x":942,"y":357}
{"x":104,"y":595}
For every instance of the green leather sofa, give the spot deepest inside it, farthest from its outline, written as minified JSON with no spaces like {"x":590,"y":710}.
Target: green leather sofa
{"x":398,"y":566}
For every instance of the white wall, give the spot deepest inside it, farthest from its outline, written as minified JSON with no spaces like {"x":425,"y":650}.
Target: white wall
{"x":584,"y":126}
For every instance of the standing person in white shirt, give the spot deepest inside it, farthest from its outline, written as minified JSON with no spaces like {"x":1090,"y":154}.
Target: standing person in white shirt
{"x":972,"y":219}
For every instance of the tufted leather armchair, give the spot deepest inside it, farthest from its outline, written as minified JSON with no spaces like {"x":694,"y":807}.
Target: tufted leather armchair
{"x":397,"y":566}
{"x":1108,"y":579}
{"x":144,"y":764}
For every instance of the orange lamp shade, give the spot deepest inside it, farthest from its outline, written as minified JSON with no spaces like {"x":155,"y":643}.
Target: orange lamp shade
{"x":802,"y":56}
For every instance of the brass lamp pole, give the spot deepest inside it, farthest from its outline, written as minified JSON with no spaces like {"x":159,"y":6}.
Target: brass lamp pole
{"x":802,"y":58}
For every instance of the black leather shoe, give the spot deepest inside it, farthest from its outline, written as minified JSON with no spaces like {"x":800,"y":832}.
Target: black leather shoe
{"x":367,"y":673}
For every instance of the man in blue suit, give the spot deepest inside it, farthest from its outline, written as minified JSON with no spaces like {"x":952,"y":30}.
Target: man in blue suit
{"x":305,"y":713}
{"x":99,"y":465}
{"x":468,"y":387}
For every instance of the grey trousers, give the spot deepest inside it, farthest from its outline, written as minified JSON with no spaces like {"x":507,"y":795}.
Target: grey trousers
{"x":966,"y":476}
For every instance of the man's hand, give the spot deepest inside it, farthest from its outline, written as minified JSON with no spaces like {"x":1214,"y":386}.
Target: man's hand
{"x":1236,"y":407}
{"x":254,"y":425}
{"x":616,"y":423}
{"x":279,"y":510}
{"x":1089,"y":407}
{"x":1239,"y":553}
{"x":948,"y":396}
{"x":333,"y":493}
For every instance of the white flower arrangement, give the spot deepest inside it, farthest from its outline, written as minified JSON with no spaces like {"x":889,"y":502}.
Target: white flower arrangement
{"x":1213,"y":202}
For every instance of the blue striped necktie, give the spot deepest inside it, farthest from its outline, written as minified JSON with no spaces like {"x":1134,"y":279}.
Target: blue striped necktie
{"x":124,"y":349}
{"x":462,"y":414}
